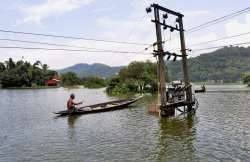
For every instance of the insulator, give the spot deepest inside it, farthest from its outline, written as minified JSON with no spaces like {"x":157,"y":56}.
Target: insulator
{"x":177,"y":20}
{"x":165,"y":27}
{"x":148,"y":10}
{"x":168,"y":57}
{"x":165,"y":16}
{"x":176,"y":26}
{"x":175,"y":57}
{"x":171,"y":29}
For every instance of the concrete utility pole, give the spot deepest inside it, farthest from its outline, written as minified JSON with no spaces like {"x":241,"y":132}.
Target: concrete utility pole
{"x":161,"y":63}
{"x":184,"y":65}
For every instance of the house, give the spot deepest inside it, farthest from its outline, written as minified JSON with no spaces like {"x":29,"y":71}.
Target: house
{"x":53,"y":81}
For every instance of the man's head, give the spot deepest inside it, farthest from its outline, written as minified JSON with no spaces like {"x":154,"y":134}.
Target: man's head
{"x":72,"y":96}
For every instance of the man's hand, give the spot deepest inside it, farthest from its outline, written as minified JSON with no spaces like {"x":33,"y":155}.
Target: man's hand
{"x":79,"y":103}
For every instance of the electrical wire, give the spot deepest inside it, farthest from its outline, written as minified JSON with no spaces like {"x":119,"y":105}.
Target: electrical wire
{"x":208,"y":48}
{"x":218,"y":20}
{"x":71,"y":37}
{"x":71,"y":50}
{"x":222,"y":38}
{"x":213,"y":22}
{"x":45,"y":43}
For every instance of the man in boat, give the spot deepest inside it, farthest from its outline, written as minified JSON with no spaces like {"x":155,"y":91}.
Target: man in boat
{"x":71,"y":104}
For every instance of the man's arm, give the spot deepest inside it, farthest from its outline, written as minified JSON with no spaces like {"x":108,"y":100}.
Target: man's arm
{"x":76,"y":103}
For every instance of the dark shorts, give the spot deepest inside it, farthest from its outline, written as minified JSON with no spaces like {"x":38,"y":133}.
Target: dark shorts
{"x":71,"y":110}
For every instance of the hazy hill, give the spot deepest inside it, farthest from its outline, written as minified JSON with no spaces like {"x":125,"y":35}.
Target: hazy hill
{"x":84,"y":70}
{"x":225,"y":64}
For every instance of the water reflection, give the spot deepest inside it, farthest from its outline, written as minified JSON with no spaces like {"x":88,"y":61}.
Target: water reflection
{"x":176,"y":139}
{"x":72,"y":131}
{"x":72,"y":120}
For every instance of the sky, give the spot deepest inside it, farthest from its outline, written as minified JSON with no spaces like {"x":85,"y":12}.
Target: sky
{"x":117,"y":20}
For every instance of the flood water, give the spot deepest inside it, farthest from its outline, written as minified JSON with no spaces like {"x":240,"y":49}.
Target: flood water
{"x":218,"y":132}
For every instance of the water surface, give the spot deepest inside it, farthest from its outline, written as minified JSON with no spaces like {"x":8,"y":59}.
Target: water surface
{"x":219,"y":131}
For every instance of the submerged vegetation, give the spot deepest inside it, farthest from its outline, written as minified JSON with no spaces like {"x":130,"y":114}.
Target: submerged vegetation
{"x":24,"y":74}
{"x":246,"y":78}
{"x":93,"y":82}
{"x":72,"y":79}
{"x":136,"y":77}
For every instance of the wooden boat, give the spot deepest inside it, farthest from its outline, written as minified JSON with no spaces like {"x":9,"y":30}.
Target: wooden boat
{"x":101,"y":107}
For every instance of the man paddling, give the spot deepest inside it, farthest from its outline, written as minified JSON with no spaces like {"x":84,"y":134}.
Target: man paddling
{"x":71,"y":104}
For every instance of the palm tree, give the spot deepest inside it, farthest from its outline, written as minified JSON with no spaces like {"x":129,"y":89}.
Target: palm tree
{"x":36,"y":64}
{"x":10,"y":64}
{"x":2,"y":67}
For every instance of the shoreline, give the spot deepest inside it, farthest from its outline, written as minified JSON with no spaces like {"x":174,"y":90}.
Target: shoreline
{"x":207,"y":83}
{"x":49,"y":87}
{"x":31,"y":88}
{"x":81,"y":86}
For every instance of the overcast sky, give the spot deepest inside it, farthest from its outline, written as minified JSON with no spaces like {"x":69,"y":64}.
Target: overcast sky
{"x":118,"y":20}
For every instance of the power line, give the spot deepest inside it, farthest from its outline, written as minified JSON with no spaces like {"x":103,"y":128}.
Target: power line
{"x":213,"y":22}
{"x":218,"y":20}
{"x":44,"y":43}
{"x":208,"y":48}
{"x":71,"y":50}
{"x":50,"y":44}
{"x":222,"y":38}
{"x":71,"y":37}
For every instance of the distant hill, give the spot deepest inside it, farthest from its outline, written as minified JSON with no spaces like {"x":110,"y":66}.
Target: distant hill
{"x":226,"y":64}
{"x":83,"y":70}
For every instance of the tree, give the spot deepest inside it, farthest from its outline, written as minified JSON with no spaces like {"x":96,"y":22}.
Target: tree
{"x":136,"y":77}
{"x":70,"y":79}
{"x":45,"y":67}
{"x":23,"y":74}
{"x":246,"y":78}
{"x":10,"y":64}
{"x":2,"y":67}
{"x":93,"y":82}
{"x":226,"y":64}
{"x":36,"y":64}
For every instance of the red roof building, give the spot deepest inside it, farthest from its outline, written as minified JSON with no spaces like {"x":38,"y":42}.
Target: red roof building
{"x":53,"y":82}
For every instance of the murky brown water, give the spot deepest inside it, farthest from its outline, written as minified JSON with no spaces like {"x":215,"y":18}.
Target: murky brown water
{"x":219,"y":131}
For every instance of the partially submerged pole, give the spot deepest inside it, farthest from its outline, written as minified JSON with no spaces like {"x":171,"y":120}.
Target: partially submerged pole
{"x":185,"y":66}
{"x":161,"y":63}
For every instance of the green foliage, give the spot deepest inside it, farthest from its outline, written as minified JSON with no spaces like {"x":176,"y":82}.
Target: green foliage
{"x":246,"y":78}
{"x":93,"y":82}
{"x":23,"y":74}
{"x":225,"y":64}
{"x":136,"y":77}
{"x":70,"y":79}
